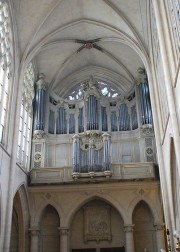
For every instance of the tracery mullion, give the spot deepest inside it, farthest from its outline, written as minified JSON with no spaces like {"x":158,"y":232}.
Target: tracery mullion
{"x":27,"y":140}
{"x":2,"y":124}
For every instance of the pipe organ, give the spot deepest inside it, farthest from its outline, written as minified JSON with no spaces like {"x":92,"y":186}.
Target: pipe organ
{"x":91,"y":152}
{"x":95,"y":113}
{"x":92,"y":128}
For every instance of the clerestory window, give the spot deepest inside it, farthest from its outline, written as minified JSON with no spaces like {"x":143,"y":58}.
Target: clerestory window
{"x":5,"y":67}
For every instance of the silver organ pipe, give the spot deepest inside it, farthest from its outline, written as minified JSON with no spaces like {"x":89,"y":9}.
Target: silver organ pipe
{"x":134,"y":118}
{"x":91,"y":156}
{"x":92,"y":113}
{"x":113,"y":121}
{"x":71,"y":124}
{"x":80,"y":121}
{"x":76,"y":154}
{"x":104,"y":119}
{"x":51,"y":122}
{"x":40,"y":103}
{"x":61,"y":124}
{"x":146,"y":111}
{"x":106,"y":148}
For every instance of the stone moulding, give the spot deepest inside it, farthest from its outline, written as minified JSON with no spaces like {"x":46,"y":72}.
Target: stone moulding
{"x":51,"y":175}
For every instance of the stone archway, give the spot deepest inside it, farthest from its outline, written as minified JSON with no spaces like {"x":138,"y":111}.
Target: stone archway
{"x":14,"y":245}
{"x":20,"y":222}
{"x":144,"y":231}
{"x":49,"y":233}
{"x":175,"y":185}
{"x":97,"y":226}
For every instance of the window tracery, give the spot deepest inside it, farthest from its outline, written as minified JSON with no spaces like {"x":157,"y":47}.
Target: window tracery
{"x":174,"y":7}
{"x":26,"y":118}
{"x":5,"y":65}
{"x":104,"y":89}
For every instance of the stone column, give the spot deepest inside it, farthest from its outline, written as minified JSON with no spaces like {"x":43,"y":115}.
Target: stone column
{"x":34,"y":233}
{"x":160,"y":237}
{"x":64,"y":239}
{"x":129,"y":238}
{"x":169,"y":88}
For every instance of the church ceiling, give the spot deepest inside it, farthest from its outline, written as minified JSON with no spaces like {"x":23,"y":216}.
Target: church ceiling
{"x":70,"y":40}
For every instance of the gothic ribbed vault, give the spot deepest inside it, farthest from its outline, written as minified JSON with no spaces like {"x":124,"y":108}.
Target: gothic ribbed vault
{"x":68,"y":39}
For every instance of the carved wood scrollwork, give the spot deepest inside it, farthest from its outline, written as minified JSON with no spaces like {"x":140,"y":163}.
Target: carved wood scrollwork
{"x":97,"y":223}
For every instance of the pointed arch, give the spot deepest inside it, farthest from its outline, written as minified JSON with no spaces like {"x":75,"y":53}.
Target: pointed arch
{"x":96,"y":216}
{"x":106,"y":199}
{"x":144,"y":230}
{"x":38,"y":214}
{"x":49,"y":229}
{"x":175,"y":185}
{"x":20,"y":220}
{"x":149,"y":203}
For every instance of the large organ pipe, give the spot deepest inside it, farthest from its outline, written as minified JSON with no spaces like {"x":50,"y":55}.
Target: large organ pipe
{"x":76,"y":154}
{"x":92,"y":113}
{"x":40,"y":103}
{"x":146,"y":112}
{"x":106,"y":148}
{"x":91,"y":155}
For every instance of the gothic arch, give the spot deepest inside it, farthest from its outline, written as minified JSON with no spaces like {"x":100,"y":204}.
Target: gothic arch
{"x":149,"y":203}
{"x":38,"y":215}
{"x":144,"y":230}
{"x":106,"y":199}
{"x":21,"y":213}
{"x":95,"y":216}
{"x":174,"y":178}
{"x":49,"y":229}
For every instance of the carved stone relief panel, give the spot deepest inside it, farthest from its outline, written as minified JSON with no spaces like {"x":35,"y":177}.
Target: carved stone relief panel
{"x":97,"y":223}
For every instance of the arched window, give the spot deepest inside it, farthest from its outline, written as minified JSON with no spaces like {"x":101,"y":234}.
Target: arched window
{"x":26,"y":114}
{"x":5,"y":66}
{"x":104,"y":89}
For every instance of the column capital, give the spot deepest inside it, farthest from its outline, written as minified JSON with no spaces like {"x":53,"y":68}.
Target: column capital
{"x":128,"y":228}
{"x":159,"y":226}
{"x":63,"y":231}
{"x":34,"y":231}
